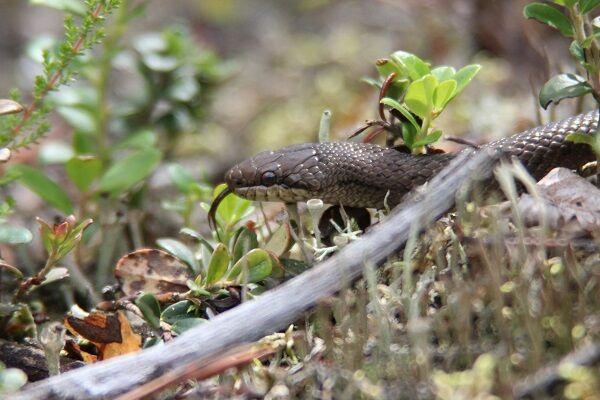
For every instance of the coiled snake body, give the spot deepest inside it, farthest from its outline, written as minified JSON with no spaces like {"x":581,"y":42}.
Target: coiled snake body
{"x":360,"y":175}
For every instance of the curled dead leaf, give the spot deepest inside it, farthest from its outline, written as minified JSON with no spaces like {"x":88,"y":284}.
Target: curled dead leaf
{"x":110,"y":333}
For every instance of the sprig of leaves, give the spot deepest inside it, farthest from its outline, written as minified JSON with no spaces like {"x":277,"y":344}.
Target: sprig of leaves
{"x":28,"y":127}
{"x":416,"y":94}
{"x":573,"y":19}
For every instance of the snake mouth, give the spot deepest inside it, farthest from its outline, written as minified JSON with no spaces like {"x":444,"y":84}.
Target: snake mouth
{"x":273,"y":193}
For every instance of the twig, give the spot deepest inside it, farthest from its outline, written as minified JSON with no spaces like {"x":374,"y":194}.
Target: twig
{"x":543,"y":380}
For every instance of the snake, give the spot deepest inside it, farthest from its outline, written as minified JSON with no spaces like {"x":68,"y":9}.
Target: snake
{"x":367,"y":175}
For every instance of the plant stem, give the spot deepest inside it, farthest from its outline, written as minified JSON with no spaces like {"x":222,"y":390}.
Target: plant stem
{"x":55,"y":77}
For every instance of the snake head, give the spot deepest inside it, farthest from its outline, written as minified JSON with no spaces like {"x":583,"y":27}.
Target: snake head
{"x":291,"y":174}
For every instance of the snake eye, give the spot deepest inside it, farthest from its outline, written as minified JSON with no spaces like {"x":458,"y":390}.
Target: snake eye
{"x":269,"y":178}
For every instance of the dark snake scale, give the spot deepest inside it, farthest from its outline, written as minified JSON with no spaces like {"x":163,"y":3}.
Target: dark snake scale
{"x":360,"y":175}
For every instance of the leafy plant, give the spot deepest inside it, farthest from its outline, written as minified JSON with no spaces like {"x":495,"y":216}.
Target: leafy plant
{"x":573,"y":18}
{"x":58,"y":69}
{"x":415,"y":94}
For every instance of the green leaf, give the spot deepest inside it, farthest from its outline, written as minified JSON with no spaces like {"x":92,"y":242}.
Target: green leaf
{"x":128,"y":171}
{"x":415,"y":67}
{"x":419,"y":96}
{"x":180,"y":177}
{"x":565,"y":3}
{"x":577,"y":51}
{"x":179,"y":250}
{"x":71,"y":6}
{"x":550,"y":16}
{"x":464,"y":76}
{"x":176,"y":312}
{"x":586,"y":44}
{"x":43,"y":186}
{"x":150,"y":308}
{"x":431,"y":138}
{"x":585,"y":6}
{"x":385,"y":67}
{"x":443,"y":93}
{"x":280,"y":241}
{"x":257,"y":265}
{"x":83,"y":170}
{"x":563,"y":86}
{"x":80,"y":119}
{"x":55,"y":152}
{"x":403,"y":110}
{"x":443,"y":73}
{"x":187,"y":323}
{"x":231,"y":209}
{"x":245,"y":241}
{"x":219,"y":261}
{"x":580,"y":138}
{"x":14,"y":234}
{"x":55,"y":274}
{"x":142,"y":139}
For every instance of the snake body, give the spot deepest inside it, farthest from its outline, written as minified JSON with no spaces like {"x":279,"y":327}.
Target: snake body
{"x":360,"y":175}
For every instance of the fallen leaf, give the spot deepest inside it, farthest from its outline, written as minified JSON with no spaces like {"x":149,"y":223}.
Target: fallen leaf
{"x":572,"y":204}
{"x":152,"y":271}
{"x":110,"y":333}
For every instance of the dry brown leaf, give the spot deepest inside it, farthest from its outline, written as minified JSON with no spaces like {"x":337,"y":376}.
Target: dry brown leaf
{"x":572,"y":204}
{"x":151,"y":271}
{"x":110,"y":333}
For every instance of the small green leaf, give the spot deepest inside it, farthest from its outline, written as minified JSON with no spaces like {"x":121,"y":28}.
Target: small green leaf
{"x":443,"y":73}
{"x":403,"y":110}
{"x":585,"y":6}
{"x":14,"y":234}
{"x":586,"y":44}
{"x":176,"y":312}
{"x":419,"y":96}
{"x":83,"y":170}
{"x":257,"y":265}
{"x":443,"y":93}
{"x":431,"y":138}
{"x":72,"y":6}
{"x":197,"y":288}
{"x":150,"y":308}
{"x":385,"y":67}
{"x":80,"y":119}
{"x":187,"y":323}
{"x":43,"y":186}
{"x":563,"y":86}
{"x":464,"y":76}
{"x":179,"y":250}
{"x":55,"y":274}
{"x":577,"y":51}
{"x":280,"y":241}
{"x":55,"y":152}
{"x":128,"y":171}
{"x":415,"y":67}
{"x":231,"y":209}
{"x":182,"y":179}
{"x":142,"y":139}
{"x":219,"y":261}
{"x":550,"y":16}
{"x":580,"y":138}
{"x":244,"y":241}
